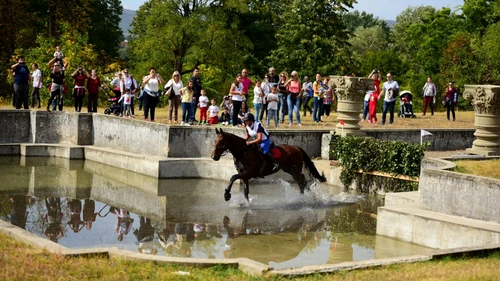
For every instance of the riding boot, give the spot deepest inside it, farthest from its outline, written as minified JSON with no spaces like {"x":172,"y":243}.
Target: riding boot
{"x":269,"y":157}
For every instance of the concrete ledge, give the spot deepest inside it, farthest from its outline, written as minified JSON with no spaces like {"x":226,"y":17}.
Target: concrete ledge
{"x":53,"y":150}
{"x":435,"y":230}
{"x":402,"y":199}
{"x":347,"y":266}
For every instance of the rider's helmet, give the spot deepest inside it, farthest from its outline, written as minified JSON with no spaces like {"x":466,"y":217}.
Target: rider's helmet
{"x":249,"y":117}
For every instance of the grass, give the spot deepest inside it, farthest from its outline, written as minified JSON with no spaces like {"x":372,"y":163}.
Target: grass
{"x":485,"y":168}
{"x":22,"y":262}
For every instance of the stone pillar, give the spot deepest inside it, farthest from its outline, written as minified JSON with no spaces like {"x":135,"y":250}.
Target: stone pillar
{"x":486,"y":102}
{"x":350,"y":92}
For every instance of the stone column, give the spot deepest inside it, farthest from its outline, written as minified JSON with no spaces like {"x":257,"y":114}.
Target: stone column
{"x":486,"y":102}
{"x":350,"y":92}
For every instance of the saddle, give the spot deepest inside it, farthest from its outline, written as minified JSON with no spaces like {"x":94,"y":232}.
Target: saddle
{"x":275,"y":152}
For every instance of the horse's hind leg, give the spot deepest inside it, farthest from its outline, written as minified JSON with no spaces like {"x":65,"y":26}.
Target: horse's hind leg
{"x":301,"y":180}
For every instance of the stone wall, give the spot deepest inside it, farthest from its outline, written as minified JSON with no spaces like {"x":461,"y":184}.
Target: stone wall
{"x":136,"y":136}
{"x":459,"y":194}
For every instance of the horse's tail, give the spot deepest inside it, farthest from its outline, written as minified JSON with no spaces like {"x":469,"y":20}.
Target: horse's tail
{"x":310,"y":166}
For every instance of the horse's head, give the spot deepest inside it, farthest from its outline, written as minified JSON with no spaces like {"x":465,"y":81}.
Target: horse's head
{"x":220,"y":144}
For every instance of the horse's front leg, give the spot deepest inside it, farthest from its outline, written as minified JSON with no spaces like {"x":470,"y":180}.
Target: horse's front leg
{"x":227,"y":194}
{"x":246,"y":189}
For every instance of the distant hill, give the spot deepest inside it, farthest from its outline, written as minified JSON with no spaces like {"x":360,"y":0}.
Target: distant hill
{"x":391,"y":23}
{"x":127,"y":18}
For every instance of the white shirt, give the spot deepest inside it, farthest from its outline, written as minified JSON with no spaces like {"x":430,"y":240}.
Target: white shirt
{"x":115,"y":82}
{"x":203,"y":100}
{"x":272,"y":104}
{"x":126,"y":99}
{"x":213,"y":110}
{"x":37,"y":78}
{"x":176,"y":86}
{"x":257,"y":92}
{"x":237,"y":89}
{"x":390,"y":95}
{"x":152,"y":85}
{"x":128,"y":83}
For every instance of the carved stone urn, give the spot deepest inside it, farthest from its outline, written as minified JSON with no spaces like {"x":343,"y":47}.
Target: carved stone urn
{"x":486,"y":102}
{"x":350,"y":92}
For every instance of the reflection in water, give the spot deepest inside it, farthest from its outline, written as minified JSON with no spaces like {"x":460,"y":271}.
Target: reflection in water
{"x":54,"y":217}
{"x":189,"y":218}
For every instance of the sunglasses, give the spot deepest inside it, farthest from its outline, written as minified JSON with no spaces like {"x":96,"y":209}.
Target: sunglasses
{"x":126,"y":72}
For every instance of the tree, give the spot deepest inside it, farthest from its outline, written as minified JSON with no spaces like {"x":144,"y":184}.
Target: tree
{"x":104,"y":30}
{"x":354,"y":20}
{"x":166,"y":34}
{"x":311,"y":36}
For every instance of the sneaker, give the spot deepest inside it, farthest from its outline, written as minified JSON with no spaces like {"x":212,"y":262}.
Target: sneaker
{"x":187,"y":124}
{"x":289,"y":125}
{"x":182,"y":123}
{"x":300,"y":125}
{"x":199,"y":123}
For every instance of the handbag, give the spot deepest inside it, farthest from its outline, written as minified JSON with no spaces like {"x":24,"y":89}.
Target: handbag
{"x":170,"y":92}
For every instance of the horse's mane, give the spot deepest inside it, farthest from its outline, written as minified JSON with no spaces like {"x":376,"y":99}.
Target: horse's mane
{"x":233,"y":137}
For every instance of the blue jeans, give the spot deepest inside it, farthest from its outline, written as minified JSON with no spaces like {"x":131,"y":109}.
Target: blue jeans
{"x":388,"y":105}
{"x":274,"y":114}
{"x":194,"y":105}
{"x":186,"y":111}
{"x":258,"y":107}
{"x":365,"y":109}
{"x":318,"y":109}
{"x":293,"y":103}
{"x":283,"y":106}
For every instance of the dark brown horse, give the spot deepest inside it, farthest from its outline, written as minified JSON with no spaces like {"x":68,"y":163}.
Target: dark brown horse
{"x":250,"y":162}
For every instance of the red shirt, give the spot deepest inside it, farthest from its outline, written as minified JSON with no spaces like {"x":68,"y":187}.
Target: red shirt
{"x":246,"y":84}
{"x":93,"y":85}
{"x":80,"y":80}
{"x":377,"y":86}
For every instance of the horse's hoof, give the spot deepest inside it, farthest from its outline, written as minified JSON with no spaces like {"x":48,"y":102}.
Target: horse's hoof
{"x":227,"y":196}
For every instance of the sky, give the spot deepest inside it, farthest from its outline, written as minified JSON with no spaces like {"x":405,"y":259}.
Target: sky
{"x":383,"y":9}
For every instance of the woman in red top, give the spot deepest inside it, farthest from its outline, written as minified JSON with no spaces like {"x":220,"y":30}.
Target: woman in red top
{"x":93,"y":84}
{"x":450,"y":99}
{"x":80,"y":75}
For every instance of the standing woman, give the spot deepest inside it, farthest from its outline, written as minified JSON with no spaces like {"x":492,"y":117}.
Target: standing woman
{"x":93,"y":85}
{"x":450,"y":99}
{"x":282,"y":95}
{"x":293,"y":99}
{"x":152,"y":95}
{"x":174,"y":100}
{"x":187,"y":98}
{"x":36,"y":76}
{"x":80,"y":75}
{"x":236,"y":92}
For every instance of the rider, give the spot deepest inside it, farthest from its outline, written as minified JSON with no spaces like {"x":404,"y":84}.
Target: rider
{"x":259,"y":135}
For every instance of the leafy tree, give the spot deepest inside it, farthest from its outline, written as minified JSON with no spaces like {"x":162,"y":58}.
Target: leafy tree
{"x":104,"y":30}
{"x":166,"y":34}
{"x":368,"y":39}
{"x":354,"y":20}
{"x":311,"y":36}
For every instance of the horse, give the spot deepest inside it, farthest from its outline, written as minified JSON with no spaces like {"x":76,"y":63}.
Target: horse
{"x":250,"y":162}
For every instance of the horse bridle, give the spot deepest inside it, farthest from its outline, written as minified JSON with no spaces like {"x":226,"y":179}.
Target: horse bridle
{"x":222,"y":146}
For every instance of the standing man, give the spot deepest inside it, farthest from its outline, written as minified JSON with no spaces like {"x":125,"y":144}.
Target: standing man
{"x":390,"y":90}
{"x":37,"y":85}
{"x":128,"y":82}
{"x":22,"y":78}
{"x":246,"y":83}
{"x":429,"y":92}
{"x":197,"y":93}
{"x":273,"y":77}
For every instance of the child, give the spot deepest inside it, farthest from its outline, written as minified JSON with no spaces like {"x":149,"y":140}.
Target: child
{"x":203,"y":104}
{"x":58,"y":55}
{"x":224,"y":117}
{"x":127,"y":99}
{"x":373,"y":104}
{"x":272,"y":106}
{"x":258,"y":95}
{"x":214,"y":112}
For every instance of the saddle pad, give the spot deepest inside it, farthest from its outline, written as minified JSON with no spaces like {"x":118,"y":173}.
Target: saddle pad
{"x":275,"y":152}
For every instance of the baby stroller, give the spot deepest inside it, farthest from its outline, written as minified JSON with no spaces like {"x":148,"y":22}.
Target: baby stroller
{"x":114,"y":107}
{"x":406,"y":105}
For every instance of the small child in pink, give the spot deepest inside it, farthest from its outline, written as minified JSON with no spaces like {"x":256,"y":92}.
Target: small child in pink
{"x":213,"y":112}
